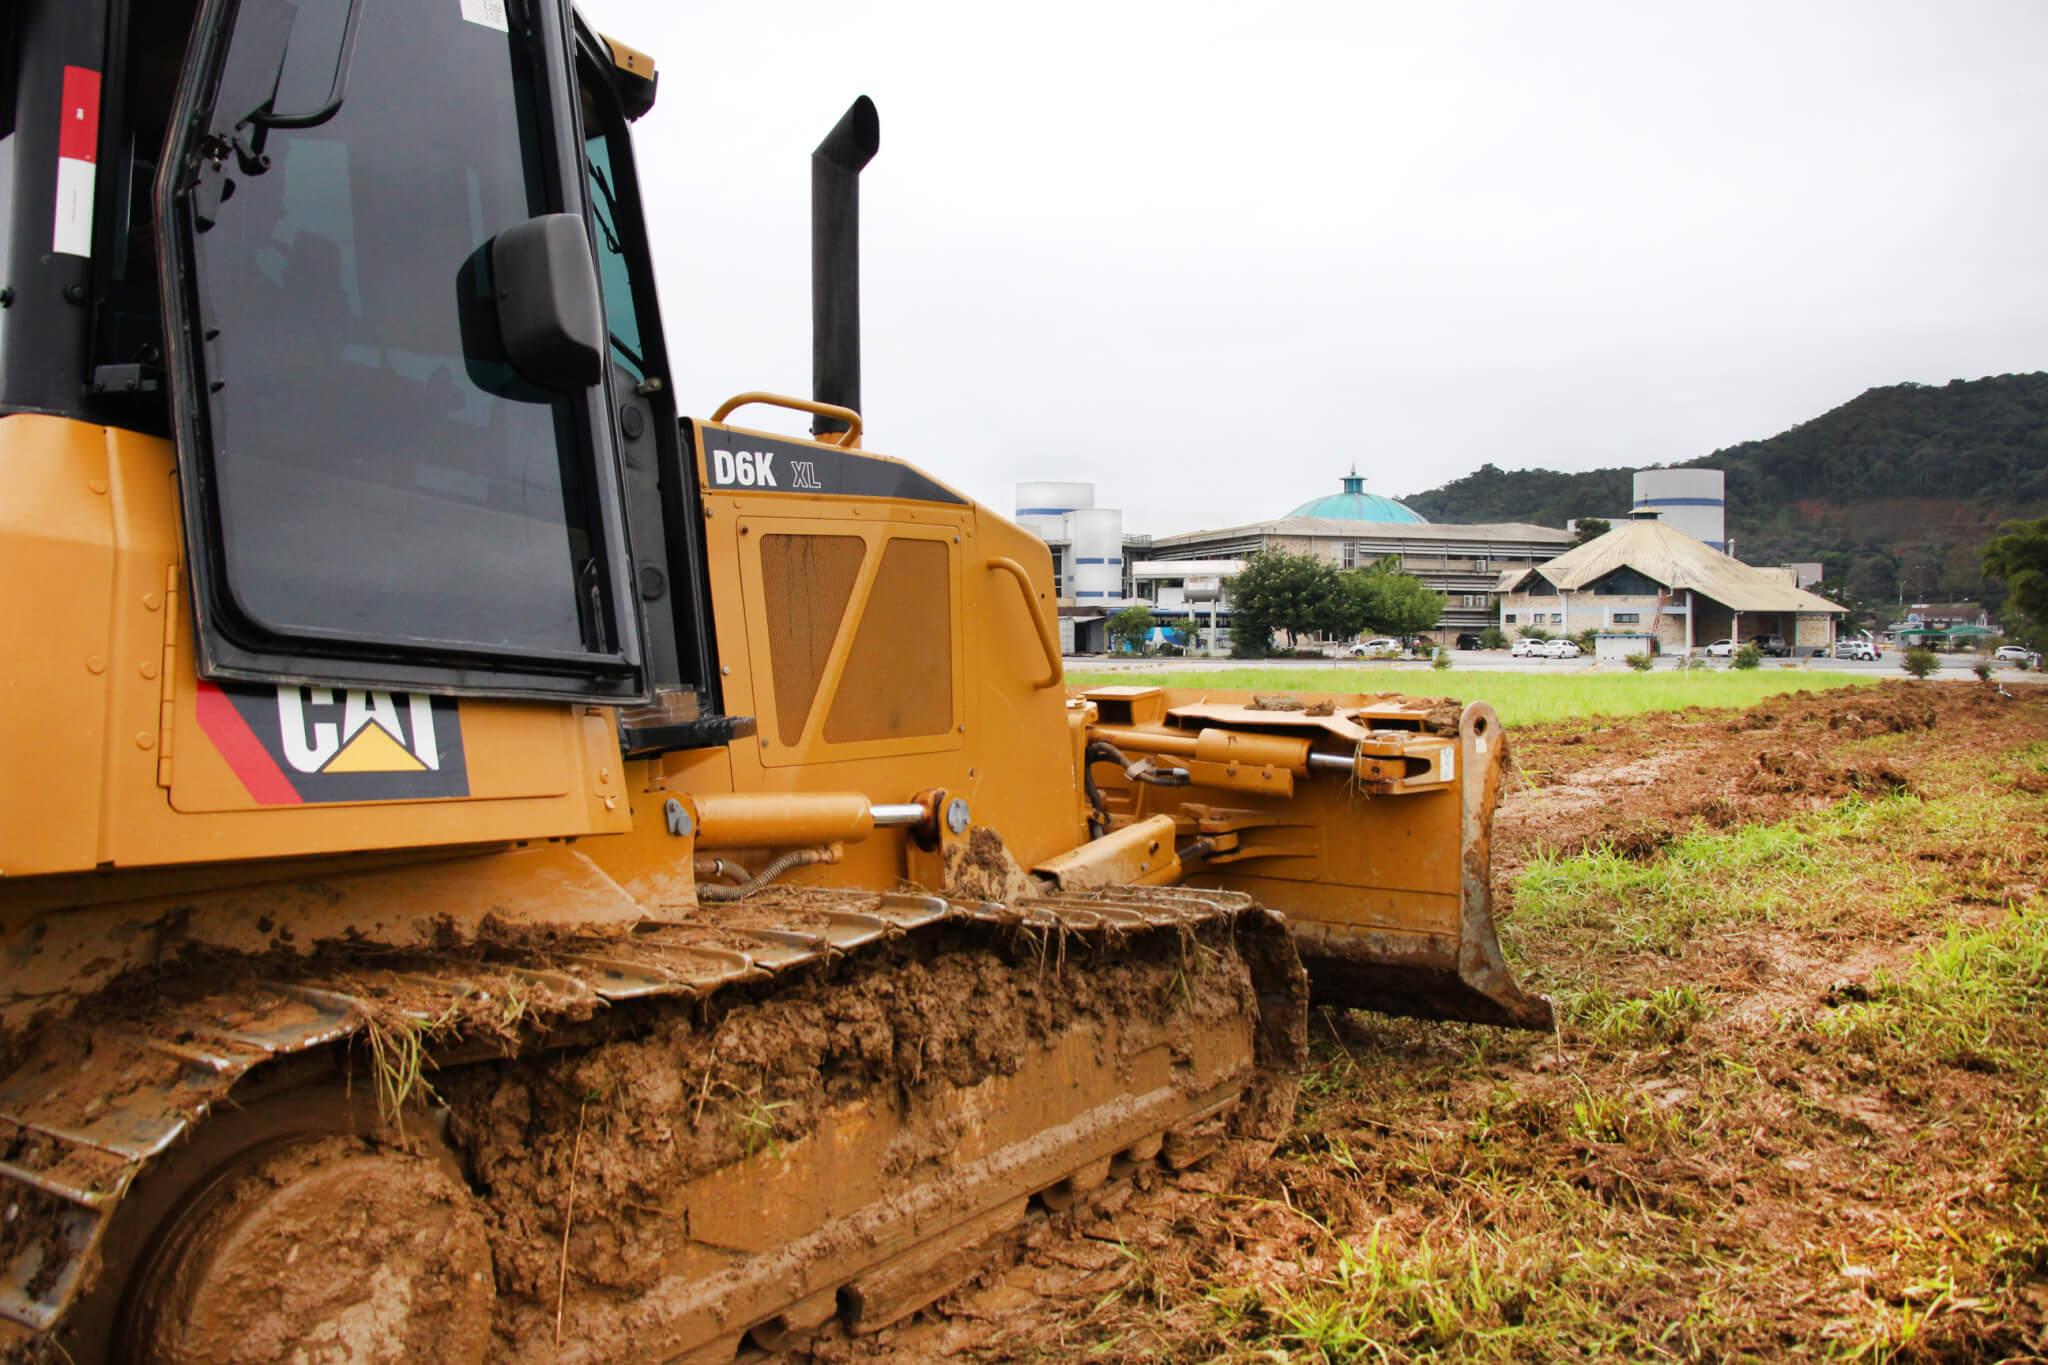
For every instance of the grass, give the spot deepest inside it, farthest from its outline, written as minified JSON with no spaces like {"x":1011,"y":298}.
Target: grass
{"x":1717,"y":1158}
{"x":1520,"y":698}
{"x":1978,"y":998}
{"x":1800,"y":872}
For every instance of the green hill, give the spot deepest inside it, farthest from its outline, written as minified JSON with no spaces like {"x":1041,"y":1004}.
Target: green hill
{"x":1895,"y":491}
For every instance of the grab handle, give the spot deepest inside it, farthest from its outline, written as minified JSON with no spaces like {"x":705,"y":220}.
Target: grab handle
{"x":1047,"y":640}
{"x":845,"y":439}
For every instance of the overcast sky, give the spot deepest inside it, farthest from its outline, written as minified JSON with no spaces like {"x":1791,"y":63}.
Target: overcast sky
{"x":1209,"y":255}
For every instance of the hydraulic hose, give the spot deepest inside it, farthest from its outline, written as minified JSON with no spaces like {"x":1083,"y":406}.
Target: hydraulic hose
{"x":796,"y":857}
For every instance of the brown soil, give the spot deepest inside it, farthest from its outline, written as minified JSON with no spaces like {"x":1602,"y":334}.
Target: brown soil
{"x":982,"y":869}
{"x":629,"y":1123}
{"x":1851,"y":1204}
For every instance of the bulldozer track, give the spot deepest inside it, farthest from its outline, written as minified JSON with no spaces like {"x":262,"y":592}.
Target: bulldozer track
{"x":96,"y":1103}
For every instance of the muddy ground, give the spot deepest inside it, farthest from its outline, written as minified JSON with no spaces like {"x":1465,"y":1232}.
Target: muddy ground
{"x":1795,"y":1107}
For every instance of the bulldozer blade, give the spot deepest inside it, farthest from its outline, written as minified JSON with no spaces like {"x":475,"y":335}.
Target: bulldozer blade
{"x":1380,"y":861}
{"x":1439,"y":965}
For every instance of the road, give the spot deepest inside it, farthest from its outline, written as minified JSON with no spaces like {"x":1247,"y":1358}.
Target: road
{"x":1953,"y":666}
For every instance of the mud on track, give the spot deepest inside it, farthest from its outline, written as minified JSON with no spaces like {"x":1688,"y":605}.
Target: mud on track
{"x":1747,"y":1140}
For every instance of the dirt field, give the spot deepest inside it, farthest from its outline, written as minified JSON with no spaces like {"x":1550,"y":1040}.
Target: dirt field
{"x":1796,"y":1107}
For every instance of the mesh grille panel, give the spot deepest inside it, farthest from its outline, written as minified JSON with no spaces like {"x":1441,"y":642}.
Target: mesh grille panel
{"x":899,"y":678}
{"x":805,"y":583}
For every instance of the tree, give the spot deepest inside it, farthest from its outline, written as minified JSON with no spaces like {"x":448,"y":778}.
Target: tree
{"x":1132,"y":625}
{"x":1962,"y":573}
{"x":1280,"y":590}
{"x":1872,"y":578}
{"x":1406,"y":605}
{"x":2019,"y":556}
{"x":1592,"y":528}
{"x":1385,"y":600}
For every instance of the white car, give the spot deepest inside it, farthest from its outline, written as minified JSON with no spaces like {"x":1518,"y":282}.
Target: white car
{"x":1526,"y":648}
{"x":1721,"y":649}
{"x":1561,"y":649}
{"x":2017,"y":654}
{"x":1856,"y":649}
{"x":1375,"y":648}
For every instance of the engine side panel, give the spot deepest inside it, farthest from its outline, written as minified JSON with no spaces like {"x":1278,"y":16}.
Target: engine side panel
{"x":125,"y":759}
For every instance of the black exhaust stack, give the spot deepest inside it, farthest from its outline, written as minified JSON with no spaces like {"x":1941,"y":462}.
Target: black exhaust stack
{"x":835,"y":259}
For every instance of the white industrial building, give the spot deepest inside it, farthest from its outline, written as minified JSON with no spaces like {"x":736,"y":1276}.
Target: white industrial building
{"x":1091,"y":571}
{"x":1193,"y":590}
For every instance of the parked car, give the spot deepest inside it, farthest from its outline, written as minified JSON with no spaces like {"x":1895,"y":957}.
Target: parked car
{"x":1856,"y":649}
{"x":1467,"y":640}
{"x":1773,"y":645}
{"x":1721,"y":649}
{"x":2017,"y":654}
{"x":1376,"y":648}
{"x":1561,"y":649}
{"x":1526,"y":648}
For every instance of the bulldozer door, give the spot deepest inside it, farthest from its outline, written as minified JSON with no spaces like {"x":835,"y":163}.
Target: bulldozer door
{"x":395,"y":415}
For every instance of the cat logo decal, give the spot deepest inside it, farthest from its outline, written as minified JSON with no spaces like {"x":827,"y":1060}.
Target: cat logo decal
{"x":292,"y":745}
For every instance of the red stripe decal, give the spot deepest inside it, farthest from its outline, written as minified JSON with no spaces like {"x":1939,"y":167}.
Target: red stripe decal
{"x":78,"y":137}
{"x":243,"y":751}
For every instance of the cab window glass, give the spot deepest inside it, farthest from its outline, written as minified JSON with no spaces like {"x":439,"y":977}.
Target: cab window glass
{"x":612,"y":270}
{"x":381,"y":472}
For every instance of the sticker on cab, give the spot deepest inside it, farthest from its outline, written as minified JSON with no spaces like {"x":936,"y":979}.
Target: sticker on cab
{"x":489,"y":13}
{"x":296,"y":745}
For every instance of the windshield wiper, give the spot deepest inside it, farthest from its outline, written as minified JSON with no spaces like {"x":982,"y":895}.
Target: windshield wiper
{"x":263,"y":33}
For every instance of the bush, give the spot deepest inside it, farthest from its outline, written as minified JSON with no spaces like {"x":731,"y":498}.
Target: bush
{"x":1535,"y":633}
{"x":1640,"y":662}
{"x":1442,"y":662}
{"x":1982,"y":668}
{"x":1493,"y":637}
{"x":1697,"y":661}
{"x":1922,"y":662}
{"x":1749,"y":656}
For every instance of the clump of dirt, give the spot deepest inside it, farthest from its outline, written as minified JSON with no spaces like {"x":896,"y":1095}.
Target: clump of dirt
{"x":1795,"y":772}
{"x":1640,"y":841}
{"x":982,"y":869}
{"x":1276,"y":701}
{"x":1443,"y":717}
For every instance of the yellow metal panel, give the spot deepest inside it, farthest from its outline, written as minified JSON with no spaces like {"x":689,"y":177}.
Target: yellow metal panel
{"x":100,"y":654}
{"x":1013,"y":763}
{"x":1139,"y":854}
{"x":844,"y":667}
{"x":56,"y":582}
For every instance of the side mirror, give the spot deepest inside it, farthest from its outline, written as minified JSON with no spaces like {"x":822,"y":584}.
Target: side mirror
{"x":550,"y":314}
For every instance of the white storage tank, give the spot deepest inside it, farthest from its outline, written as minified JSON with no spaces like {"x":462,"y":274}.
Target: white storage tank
{"x":1042,"y":508}
{"x":1095,"y":576}
{"x":1694,"y":501}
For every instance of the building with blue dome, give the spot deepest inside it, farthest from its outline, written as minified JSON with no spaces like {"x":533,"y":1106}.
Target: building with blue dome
{"x":1354,"y":529}
{"x":1183,"y":579}
{"x":1355,"y":504}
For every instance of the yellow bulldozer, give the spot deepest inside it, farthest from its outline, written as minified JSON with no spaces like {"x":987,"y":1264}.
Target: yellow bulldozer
{"x":494,"y":869}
